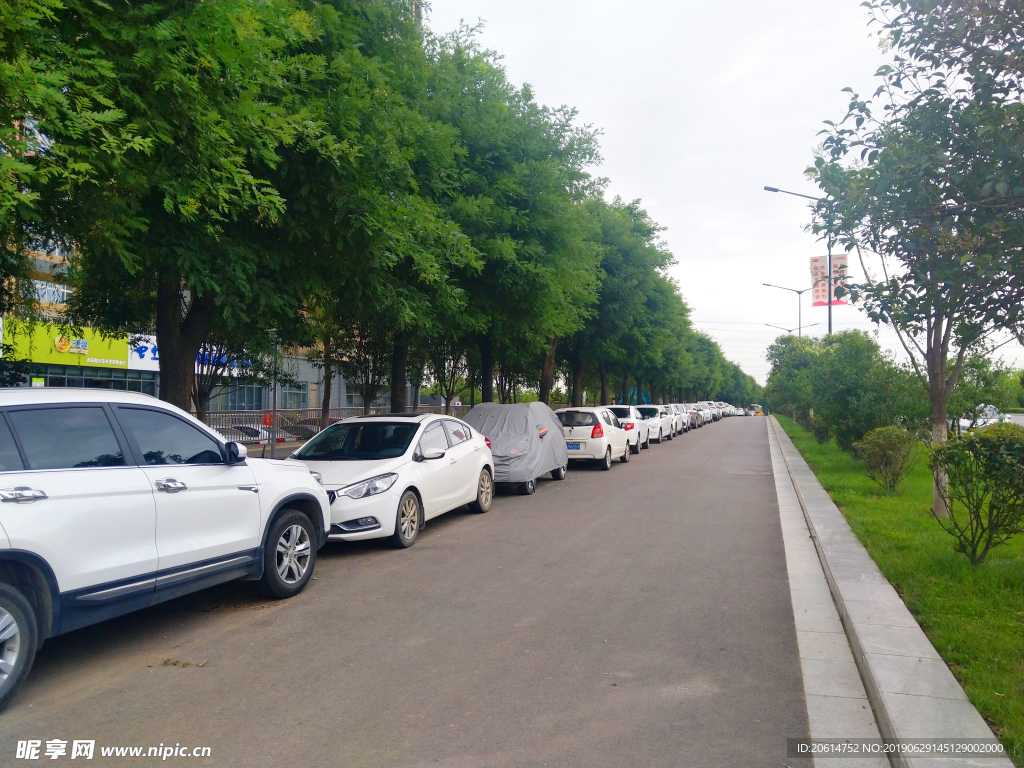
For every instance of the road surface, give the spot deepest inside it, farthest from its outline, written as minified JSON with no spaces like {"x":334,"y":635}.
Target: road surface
{"x":634,"y":617}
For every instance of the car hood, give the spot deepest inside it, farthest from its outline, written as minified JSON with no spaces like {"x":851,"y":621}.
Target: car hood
{"x":337,"y":474}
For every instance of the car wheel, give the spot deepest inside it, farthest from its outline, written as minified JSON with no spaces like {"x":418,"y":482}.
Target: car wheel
{"x":635,"y":448}
{"x":558,"y":474}
{"x":484,"y":492}
{"x":624,"y":458}
{"x":407,"y":521}
{"x":647,"y":442}
{"x":528,"y":488}
{"x":658,"y":438}
{"x":289,"y":557}
{"x":606,"y":464}
{"x":19,"y":635}
{"x":671,"y":434}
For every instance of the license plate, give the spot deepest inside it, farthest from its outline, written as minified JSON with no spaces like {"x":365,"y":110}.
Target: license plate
{"x":573,"y":446}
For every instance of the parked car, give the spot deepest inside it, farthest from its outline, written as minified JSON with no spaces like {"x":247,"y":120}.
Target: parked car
{"x":659,"y":421}
{"x":684,"y":417}
{"x":595,"y":434}
{"x":712,"y":410}
{"x":114,"y":501}
{"x":523,"y":440}
{"x":638,"y":431}
{"x":263,"y":434}
{"x":696,"y":419}
{"x":387,"y":474}
{"x":983,"y":416}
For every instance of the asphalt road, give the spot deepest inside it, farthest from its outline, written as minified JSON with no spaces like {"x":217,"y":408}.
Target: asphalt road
{"x":634,"y":617}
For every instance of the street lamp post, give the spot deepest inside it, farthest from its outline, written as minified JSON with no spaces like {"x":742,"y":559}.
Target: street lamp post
{"x":789,"y":330}
{"x":829,"y":278}
{"x":799,"y":305}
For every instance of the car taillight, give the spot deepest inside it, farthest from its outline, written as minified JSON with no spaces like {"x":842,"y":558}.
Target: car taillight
{"x":488,"y":441}
{"x":627,"y":426}
{"x":597,"y":432}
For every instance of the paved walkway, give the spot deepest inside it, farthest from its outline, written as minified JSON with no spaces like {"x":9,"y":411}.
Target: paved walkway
{"x":640,"y":616}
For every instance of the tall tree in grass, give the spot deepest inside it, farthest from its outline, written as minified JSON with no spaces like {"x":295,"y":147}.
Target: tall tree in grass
{"x":925,"y":182}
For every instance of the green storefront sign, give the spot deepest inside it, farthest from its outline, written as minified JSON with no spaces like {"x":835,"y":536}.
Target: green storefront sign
{"x":43,"y":343}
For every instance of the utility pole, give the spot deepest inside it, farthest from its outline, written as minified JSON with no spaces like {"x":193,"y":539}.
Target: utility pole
{"x":829,"y":278}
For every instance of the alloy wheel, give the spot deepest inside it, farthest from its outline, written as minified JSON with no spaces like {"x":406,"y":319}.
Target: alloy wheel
{"x":10,"y":644}
{"x":486,"y":489}
{"x":293,"y":550}
{"x":409,"y":518}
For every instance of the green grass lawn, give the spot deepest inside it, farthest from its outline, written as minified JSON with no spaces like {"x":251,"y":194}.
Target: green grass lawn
{"x":973,"y":616}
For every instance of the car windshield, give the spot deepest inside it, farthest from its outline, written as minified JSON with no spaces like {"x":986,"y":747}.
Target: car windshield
{"x":576,"y":418}
{"x":360,"y":441}
{"x":649,"y":412}
{"x":622,"y":413}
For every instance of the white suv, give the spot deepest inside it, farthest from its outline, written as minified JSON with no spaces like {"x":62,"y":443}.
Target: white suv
{"x":114,"y":501}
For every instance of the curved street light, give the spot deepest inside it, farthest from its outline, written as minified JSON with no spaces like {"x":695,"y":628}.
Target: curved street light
{"x":799,"y":306}
{"x":829,"y":279}
{"x":790,"y":330}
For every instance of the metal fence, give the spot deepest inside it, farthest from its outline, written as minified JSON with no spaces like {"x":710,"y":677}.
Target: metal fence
{"x":292,"y":425}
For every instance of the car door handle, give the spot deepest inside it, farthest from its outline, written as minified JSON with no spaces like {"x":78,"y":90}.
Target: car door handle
{"x":453,"y":461}
{"x":170,"y":485}
{"x":255,"y":488}
{"x":21,"y":494}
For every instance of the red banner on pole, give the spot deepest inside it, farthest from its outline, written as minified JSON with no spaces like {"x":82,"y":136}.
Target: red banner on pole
{"x":819,"y":279}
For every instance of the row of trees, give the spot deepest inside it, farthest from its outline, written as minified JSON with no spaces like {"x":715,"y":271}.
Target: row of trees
{"x":241,"y":175}
{"x":843,"y":386}
{"x":924,"y":183}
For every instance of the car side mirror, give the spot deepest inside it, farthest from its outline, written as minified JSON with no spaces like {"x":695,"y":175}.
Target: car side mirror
{"x":236,"y":453}
{"x":433,"y":453}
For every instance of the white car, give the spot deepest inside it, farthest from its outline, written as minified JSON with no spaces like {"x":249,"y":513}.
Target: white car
{"x":695,"y":415}
{"x":638,"y":431}
{"x":595,"y":434}
{"x":387,"y":475}
{"x":713,"y":410}
{"x":984,"y":415}
{"x":113,"y":501}
{"x":660,"y":421}
{"x":684,"y":417}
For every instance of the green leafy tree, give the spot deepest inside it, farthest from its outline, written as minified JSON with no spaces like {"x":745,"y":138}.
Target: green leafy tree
{"x":933,"y":205}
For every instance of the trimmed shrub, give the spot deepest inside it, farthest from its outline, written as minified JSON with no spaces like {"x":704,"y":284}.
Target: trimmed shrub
{"x":888,"y":454}
{"x":984,"y":491}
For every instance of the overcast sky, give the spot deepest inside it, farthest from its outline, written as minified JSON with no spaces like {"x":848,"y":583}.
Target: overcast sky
{"x":701,"y":105}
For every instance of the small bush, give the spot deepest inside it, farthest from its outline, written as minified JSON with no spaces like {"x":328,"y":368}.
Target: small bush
{"x":888,"y":454}
{"x":984,"y":491}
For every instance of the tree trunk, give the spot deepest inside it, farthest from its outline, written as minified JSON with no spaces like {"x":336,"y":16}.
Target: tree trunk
{"x":639,"y":391}
{"x":625,"y":387}
{"x":604,"y":383}
{"x":547,"y":371}
{"x":416,"y":398}
{"x":179,"y":335}
{"x":940,"y":433}
{"x":367,"y":399}
{"x":486,"y":369}
{"x":577,"y":382}
{"x":399,"y":362}
{"x":325,"y":405}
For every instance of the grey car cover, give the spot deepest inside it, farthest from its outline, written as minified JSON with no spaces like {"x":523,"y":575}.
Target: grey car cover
{"x":526,"y":439}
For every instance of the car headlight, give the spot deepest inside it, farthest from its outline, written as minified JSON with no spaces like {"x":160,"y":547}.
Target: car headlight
{"x":370,"y":487}
{"x":318,"y":477}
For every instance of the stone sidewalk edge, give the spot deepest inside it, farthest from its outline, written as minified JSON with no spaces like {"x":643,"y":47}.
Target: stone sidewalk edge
{"x":911,"y":690}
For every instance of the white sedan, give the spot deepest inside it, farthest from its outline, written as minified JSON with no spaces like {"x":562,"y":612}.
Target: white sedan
{"x":638,"y":431}
{"x":594,"y":433}
{"x":387,"y":475}
{"x":659,"y":420}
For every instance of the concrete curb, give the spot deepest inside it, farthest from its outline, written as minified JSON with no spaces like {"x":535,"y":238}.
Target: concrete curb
{"x":911,"y":690}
